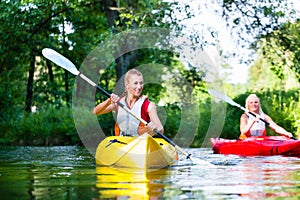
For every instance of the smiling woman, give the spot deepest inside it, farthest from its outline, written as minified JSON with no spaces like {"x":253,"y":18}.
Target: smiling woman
{"x":255,"y":126}
{"x":132,"y":100}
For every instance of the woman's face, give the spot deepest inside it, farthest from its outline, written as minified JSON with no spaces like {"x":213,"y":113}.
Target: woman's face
{"x":253,"y":104}
{"x":135,"y":85}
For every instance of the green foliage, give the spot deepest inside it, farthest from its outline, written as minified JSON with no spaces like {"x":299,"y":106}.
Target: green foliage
{"x":47,"y":126}
{"x":75,"y":27}
{"x":205,"y":119}
{"x":107,"y":123}
{"x":282,"y":106}
{"x":257,"y":17}
{"x":281,"y":49}
{"x":261,"y":77}
{"x":173,"y":120}
{"x":295,"y":116}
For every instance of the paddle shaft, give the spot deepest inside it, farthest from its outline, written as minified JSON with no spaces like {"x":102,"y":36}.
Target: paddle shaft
{"x":135,"y":116}
{"x":253,"y":114}
{"x":267,"y":123}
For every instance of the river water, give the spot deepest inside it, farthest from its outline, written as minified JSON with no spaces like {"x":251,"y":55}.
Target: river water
{"x":70,"y":173}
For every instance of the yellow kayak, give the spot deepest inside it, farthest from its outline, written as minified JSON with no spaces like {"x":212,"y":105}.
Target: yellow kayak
{"x":143,"y":152}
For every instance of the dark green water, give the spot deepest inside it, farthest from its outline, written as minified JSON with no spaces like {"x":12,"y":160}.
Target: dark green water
{"x":71,"y":173}
{"x":46,"y":173}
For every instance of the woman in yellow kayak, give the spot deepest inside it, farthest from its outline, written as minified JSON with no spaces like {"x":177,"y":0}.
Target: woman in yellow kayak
{"x":253,"y":126}
{"x":139,"y":105}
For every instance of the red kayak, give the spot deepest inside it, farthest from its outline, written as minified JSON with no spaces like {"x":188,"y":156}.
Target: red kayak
{"x":257,"y":146}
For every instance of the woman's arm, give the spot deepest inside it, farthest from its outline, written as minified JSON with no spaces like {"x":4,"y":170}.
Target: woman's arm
{"x":103,"y":107}
{"x":276,"y":128}
{"x":106,"y":106}
{"x":155,"y":122}
{"x":244,"y":126}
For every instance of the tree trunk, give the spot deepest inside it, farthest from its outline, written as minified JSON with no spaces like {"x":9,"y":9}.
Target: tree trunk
{"x":29,"y":94}
{"x":50,"y":72}
{"x":66,"y":73}
{"x":111,"y":15}
{"x":122,"y":61}
{"x":67,"y":87}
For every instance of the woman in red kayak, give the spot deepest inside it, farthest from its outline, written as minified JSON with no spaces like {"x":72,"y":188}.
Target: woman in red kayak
{"x":253,"y":126}
{"x":139,"y":105}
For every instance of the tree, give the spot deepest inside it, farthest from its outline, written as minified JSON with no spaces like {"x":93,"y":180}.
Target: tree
{"x":254,"y":21}
{"x":282,"y":49}
{"x":71,"y":28}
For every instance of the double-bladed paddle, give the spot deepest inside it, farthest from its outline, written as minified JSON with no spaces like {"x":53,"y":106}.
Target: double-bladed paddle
{"x":227,"y":99}
{"x":65,"y":63}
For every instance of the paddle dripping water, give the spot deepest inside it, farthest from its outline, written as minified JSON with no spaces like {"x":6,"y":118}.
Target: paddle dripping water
{"x":198,"y":161}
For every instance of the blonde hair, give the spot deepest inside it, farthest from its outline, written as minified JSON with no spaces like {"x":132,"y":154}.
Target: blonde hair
{"x":247,"y":103}
{"x":128,"y":74}
{"x":131,"y":72}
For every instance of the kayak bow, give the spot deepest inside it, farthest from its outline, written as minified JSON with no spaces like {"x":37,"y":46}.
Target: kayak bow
{"x":143,"y":152}
{"x":257,"y":146}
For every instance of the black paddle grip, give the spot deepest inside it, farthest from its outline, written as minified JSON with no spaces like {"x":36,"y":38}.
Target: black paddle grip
{"x":254,"y":115}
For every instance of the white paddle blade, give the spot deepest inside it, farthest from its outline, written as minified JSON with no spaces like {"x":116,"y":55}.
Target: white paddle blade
{"x":222,"y":96}
{"x":60,"y":60}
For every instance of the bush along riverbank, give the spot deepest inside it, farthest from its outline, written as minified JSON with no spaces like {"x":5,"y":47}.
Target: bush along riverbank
{"x":55,"y":125}
{"x":48,"y":126}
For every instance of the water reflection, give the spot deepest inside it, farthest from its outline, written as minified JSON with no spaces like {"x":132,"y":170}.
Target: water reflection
{"x":275,"y":176}
{"x":46,"y":173}
{"x":130,"y":184}
{"x":71,"y":173}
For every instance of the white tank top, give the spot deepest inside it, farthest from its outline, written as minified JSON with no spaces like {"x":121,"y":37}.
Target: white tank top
{"x":128,"y":124}
{"x":258,"y":128}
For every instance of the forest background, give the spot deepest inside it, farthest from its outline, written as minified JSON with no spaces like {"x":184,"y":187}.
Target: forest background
{"x":36,"y":95}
